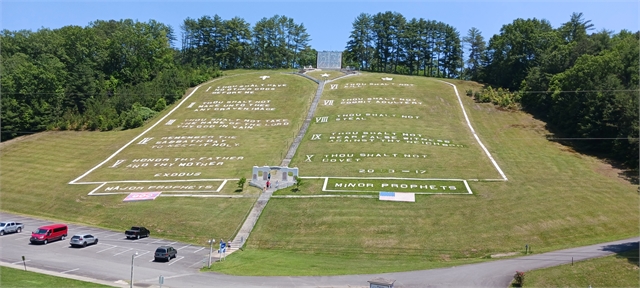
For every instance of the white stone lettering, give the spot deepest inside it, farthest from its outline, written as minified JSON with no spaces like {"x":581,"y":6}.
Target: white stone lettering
{"x":328,"y":102}
{"x":362,"y":85}
{"x":170,"y":122}
{"x":334,"y":86}
{"x":315,"y":137}
{"x":204,"y":161}
{"x":118,"y":162}
{"x":381,"y":100}
{"x":200,"y":123}
{"x":145,"y":140}
{"x":322,"y":119}
{"x":243,"y":89}
{"x":308,"y":158}
{"x":238,"y":105}
{"x":177,"y":174}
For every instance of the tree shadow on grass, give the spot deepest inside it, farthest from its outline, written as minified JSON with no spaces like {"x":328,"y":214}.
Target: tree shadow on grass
{"x":627,"y":250}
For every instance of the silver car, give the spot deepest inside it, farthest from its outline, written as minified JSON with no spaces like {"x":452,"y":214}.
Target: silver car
{"x":82,"y":240}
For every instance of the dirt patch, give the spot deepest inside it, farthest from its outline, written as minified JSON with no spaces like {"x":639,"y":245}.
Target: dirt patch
{"x":4,"y":144}
{"x":504,"y":254}
{"x":536,"y":126}
{"x":608,"y":170}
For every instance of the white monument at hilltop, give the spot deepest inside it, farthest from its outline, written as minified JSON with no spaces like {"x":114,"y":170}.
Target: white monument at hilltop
{"x":329,"y":60}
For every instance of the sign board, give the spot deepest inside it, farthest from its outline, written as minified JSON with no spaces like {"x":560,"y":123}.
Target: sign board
{"x":397,"y":196}
{"x":381,"y":283}
{"x":329,"y":60}
{"x":141,"y":196}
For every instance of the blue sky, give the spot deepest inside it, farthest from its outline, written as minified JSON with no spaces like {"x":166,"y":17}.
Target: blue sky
{"x":329,"y":22}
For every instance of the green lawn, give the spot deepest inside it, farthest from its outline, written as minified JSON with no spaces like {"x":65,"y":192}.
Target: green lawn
{"x":410,"y":127}
{"x":555,"y":198}
{"x":220,"y":132}
{"x":619,"y":270}
{"x":15,"y":278}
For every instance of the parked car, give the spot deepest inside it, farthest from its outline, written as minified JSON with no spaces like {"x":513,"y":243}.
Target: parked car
{"x":10,"y":227}
{"x":82,"y":240}
{"x":165,"y":253}
{"x":136,"y":232}
{"x":46,"y":234}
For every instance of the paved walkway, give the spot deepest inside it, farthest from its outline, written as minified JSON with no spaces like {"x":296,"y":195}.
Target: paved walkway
{"x":254,"y":214}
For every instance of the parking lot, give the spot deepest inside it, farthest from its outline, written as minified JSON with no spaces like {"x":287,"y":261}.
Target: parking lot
{"x":110,"y":259}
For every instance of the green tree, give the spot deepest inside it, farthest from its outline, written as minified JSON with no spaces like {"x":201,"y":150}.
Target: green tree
{"x":359,"y":48}
{"x":477,"y":48}
{"x":515,"y":50}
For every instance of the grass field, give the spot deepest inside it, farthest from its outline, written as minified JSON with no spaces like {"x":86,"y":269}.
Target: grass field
{"x":330,"y":74}
{"x":407,"y":127}
{"x":619,"y":270}
{"x":14,"y":278}
{"x":221,"y":131}
{"x":555,"y":198}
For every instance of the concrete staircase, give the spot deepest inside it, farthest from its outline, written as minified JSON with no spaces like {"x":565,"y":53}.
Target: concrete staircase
{"x":244,"y":232}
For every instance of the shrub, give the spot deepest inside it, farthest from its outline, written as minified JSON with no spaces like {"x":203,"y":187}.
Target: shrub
{"x":469,"y":92}
{"x":160,"y":105}
{"x":518,"y":278}
{"x":241,"y":183}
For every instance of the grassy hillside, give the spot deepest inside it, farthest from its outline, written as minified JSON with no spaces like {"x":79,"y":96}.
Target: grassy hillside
{"x":405,"y":127}
{"x":555,"y":198}
{"x":620,"y":270}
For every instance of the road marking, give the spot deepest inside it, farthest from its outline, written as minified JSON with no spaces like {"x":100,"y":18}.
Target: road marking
{"x":183,"y":247}
{"x":201,"y":262}
{"x":70,"y":270}
{"x":140,"y":254}
{"x":7,"y":235}
{"x":172,"y":243}
{"x":98,"y":233}
{"x":176,"y":260}
{"x":167,"y":277}
{"x":113,"y":235}
{"x":22,"y":238}
{"x":112,"y":246}
{"x":155,"y":241}
{"x":123,"y":252}
{"x":20,"y":262}
{"x":198,"y":250}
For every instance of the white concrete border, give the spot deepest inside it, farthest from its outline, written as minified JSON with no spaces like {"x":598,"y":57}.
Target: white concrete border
{"x":137,"y":137}
{"x":495,"y":164}
{"x":224,"y":182}
{"x":326,"y":181}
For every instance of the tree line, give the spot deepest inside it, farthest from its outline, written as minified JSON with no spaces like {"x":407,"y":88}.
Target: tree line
{"x":584,"y":84}
{"x":387,"y":42}
{"x":117,"y":74}
{"x":272,"y":43}
{"x":107,"y":75}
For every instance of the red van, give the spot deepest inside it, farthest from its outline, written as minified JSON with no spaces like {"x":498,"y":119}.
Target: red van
{"x":46,"y":234}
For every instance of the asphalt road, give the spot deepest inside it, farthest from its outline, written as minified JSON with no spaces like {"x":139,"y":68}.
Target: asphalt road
{"x":110,"y":261}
